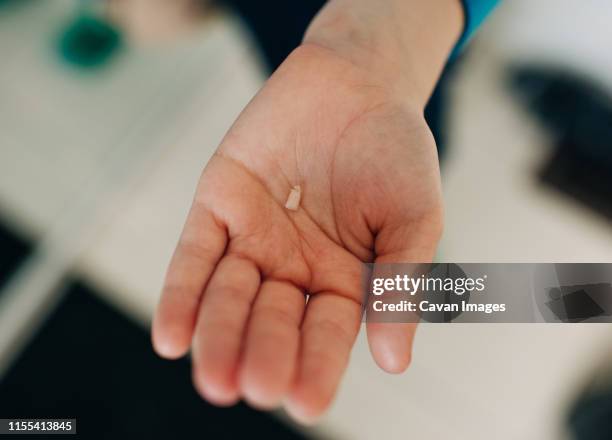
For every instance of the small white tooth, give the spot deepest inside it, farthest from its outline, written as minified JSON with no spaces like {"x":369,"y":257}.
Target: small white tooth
{"x":295,"y":196}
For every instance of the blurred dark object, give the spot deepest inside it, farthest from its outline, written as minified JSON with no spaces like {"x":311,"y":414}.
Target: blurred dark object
{"x":585,"y":180}
{"x":278,"y":26}
{"x":91,"y":363}
{"x":13,"y":251}
{"x":89,"y":41}
{"x":577,"y":303}
{"x":437,"y":109}
{"x":579,"y":115}
{"x":590,"y":416}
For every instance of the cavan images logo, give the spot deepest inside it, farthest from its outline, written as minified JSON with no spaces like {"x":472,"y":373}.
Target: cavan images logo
{"x":422,"y":292}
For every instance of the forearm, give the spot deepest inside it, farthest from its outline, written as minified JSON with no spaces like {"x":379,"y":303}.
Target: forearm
{"x":404,"y":43}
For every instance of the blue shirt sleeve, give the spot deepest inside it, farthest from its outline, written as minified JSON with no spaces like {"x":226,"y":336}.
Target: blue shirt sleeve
{"x":476,"y":11}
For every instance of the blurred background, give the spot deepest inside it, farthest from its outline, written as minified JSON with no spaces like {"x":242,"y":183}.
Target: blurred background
{"x":110,"y":109}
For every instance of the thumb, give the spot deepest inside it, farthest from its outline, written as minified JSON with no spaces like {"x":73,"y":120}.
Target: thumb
{"x":391,"y":343}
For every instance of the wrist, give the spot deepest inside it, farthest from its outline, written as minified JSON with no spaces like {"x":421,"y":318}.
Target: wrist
{"x":402,"y":44}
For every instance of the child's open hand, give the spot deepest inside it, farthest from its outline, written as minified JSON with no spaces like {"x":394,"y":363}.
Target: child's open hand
{"x":237,"y":285}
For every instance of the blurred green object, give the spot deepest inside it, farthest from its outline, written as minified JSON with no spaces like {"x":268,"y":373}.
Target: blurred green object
{"x":89,"y":41}
{"x":11,"y":3}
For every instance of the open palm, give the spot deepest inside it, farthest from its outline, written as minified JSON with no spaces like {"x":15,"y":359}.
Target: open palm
{"x":269,"y":299}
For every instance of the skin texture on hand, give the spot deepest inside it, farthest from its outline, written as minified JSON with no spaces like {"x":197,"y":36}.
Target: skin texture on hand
{"x":269,"y":299}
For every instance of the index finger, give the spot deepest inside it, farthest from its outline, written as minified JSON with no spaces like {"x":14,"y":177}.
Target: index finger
{"x":201,"y":246}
